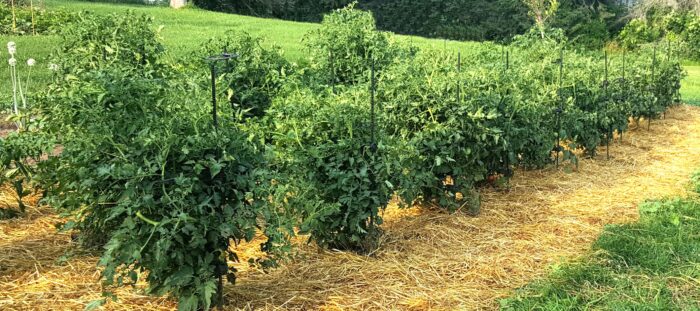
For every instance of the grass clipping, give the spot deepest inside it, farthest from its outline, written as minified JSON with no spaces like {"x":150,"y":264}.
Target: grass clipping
{"x":427,"y":259}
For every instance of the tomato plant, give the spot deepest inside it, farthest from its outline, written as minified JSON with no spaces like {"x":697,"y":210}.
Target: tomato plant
{"x":144,"y":173}
{"x":340,"y":163}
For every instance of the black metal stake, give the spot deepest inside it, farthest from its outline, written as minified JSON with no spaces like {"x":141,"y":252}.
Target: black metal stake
{"x":507,"y":59}
{"x":213,"y":96}
{"x":653,"y":82}
{"x":503,"y":52}
{"x":560,"y":108}
{"x":624,"y":82}
{"x":220,"y":292}
{"x":332,"y":61}
{"x":459,"y":77}
{"x":507,"y":172}
{"x":225,"y":56}
{"x":373,"y":147}
{"x":607,"y":104}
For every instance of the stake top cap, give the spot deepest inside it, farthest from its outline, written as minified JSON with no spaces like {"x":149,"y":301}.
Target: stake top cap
{"x":222,"y":56}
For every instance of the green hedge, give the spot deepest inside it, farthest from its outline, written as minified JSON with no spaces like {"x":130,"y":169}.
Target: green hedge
{"x":478,"y":20}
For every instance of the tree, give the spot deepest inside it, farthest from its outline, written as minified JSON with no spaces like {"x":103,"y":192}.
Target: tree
{"x":542,"y":11}
{"x":643,"y":6}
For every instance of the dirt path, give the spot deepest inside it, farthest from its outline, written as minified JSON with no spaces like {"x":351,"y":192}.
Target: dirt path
{"x":427,"y":260}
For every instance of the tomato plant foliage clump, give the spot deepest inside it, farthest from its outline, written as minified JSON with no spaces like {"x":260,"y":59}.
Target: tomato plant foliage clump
{"x":339,"y":160}
{"x":143,"y":172}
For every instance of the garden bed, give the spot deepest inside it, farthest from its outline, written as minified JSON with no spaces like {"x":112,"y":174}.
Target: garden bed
{"x":426,"y":259}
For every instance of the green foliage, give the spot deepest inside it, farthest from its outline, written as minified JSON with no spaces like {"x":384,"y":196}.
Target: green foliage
{"x":18,"y":153}
{"x":451,"y":136}
{"x":300,"y":10}
{"x":253,"y":78}
{"x":656,"y":243}
{"x":637,"y":32}
{"x":589,"y":23}
{"x":695,"y":182}
{"x":453,"y":19}
{"x":341,"y":174}
{"x":592,"y":23}
{"x":45,"y":21}
{"x":634,"y":266}
{"x":682,"y":28}
{"x":346,"y":45}
{"x":95,"y":41}
{"x":144,"y":172}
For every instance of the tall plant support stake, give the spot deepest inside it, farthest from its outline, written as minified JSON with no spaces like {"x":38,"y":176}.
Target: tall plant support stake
{"x":508,"y":173}
{"x":560,"y":109}
{"x":373,"y":146}
{"x":668,"y":60}
{"x":214,"y":115}
{"x":507,"y":59}
{"x":213,"y":60}
{"x":653,"y":83}
{"x":459,"y":78}
{"x":14,"y":17}
{"x":607,"y":106}
{"x":623,"y":81}
{"x":225,"y":56}
{"x":332,"y":61}
{"x":31,"y":8}
{"x":373,"y":142}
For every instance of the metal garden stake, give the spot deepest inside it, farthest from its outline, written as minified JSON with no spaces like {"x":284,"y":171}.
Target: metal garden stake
{"x":212,"y":65}
{"x":607,"y":105}
{"x":459,"y":81}
{"x":373,"y":146}
{"x":213,"y":60}
{"x":560,"y":109}
{"x":653,"y":83}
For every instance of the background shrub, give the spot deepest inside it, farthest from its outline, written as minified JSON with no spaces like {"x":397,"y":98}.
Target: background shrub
{"x":588,"y":23}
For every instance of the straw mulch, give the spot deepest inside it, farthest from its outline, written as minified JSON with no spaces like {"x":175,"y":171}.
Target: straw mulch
{"x":427,"y":260}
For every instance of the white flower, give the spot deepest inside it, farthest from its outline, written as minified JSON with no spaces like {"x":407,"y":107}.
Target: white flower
{"x":11,"y":47}
{"x":31,"y":62}
{"x":53,"y":67}
{"x":12,"y":62}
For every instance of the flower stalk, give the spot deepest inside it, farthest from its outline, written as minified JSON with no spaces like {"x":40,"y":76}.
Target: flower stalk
{"x":19,"y":92}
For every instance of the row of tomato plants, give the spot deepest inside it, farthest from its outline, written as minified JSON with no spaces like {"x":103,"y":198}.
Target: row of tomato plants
{"x":143,"y":172}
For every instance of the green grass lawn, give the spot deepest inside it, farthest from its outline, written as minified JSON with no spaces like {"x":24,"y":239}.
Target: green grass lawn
{"x":653,"y":264}
{"x":183,"y":31}
{"x":690,"y":89}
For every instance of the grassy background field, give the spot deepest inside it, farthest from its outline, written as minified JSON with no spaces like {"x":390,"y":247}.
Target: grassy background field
{"x":185,"y":29}
{"x":690,"y":89}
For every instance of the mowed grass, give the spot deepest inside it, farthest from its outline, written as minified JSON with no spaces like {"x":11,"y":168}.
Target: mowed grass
{"x":183,"y":31}
{"x":690,"y":88}
{"x":653,"y":264}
